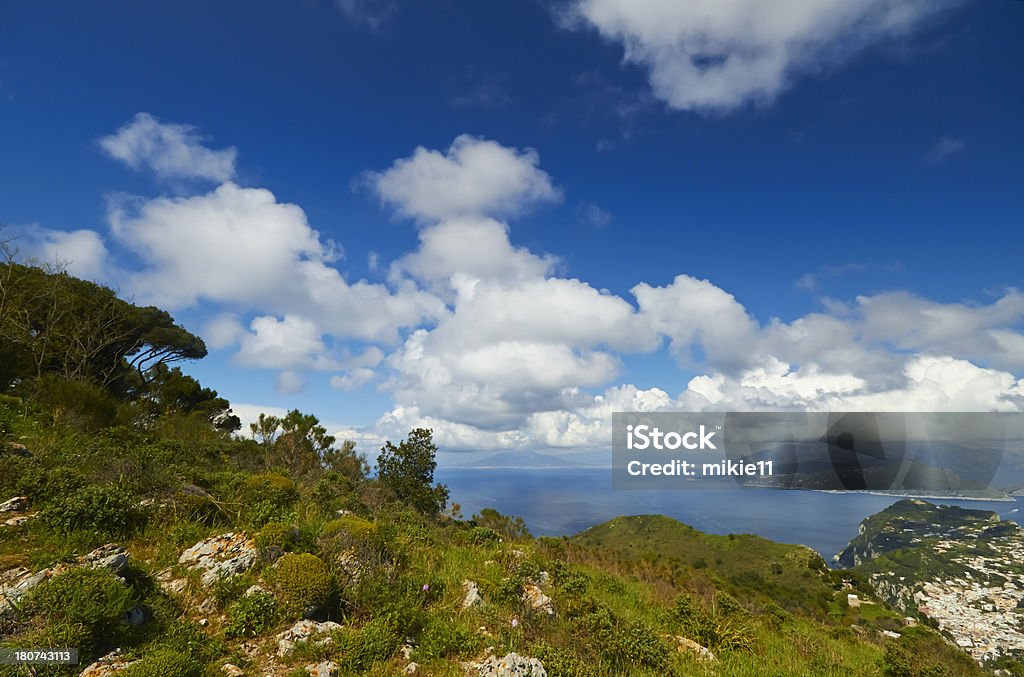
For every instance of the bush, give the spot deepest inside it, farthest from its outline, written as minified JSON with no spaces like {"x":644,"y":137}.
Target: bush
{"x":351,"y":525}
{"x":303,"y":581}
{"x":91,"y":599}
{"x":73,"y":402}
{"x":164,"y":662}
{"x":269,"y":487}
{"x":560,"y":662}
{"x":376,"y":641}
{"x":104,"y":509}
{"x":252,"y":614}
{"x":277,"y":535}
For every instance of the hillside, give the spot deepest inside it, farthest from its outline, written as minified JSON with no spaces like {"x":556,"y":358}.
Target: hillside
{"x":959,"y":568}
{"x":137,"y":528}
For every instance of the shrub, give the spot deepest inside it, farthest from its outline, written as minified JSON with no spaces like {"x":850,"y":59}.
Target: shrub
{"x":395,"y":597}
{"x":351,"y":525}
{"x":375,"y":641}
{"x":252,"y":614}
{"x":277,"y":535}
{"x":73,"y":402}
{"x":269,"y":487}
{"x":164,"y":662}
{"x":483,"y":536}
{"x":105,"y":509}
{"x":91,"y":599}
{"x":303,"y":581}
{"x":561,"y":662}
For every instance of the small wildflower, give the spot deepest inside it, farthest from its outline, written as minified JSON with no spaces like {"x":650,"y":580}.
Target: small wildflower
{"x":515,"y":622}
{"x":426,"y":587}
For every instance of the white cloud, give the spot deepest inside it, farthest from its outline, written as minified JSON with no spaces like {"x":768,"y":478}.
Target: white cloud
{"x":223,"y":331}
{"x":353,"y":379}
{"x":290,"y":343}
{"x":474,"y":177}
{"x":82,"y":251}
{"x":171,"y":151}
{"x":497,"y":349}
{"x":241,"y":247}
{"x":717,"y":55}
{"x":695,"y":312}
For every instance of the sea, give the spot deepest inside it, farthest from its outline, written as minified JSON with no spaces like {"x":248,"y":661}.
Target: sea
{"x":565,"y":501}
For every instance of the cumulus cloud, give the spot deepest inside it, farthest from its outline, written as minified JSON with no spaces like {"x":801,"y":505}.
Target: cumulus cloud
{"x":353,"y":379}
{"x":474,"y":177}
{"x":171,"y":151}
{"x":242,"y":247}
{"x":718,"y":55}
{"x":495,"y":347}
{"x":455,"y":254}
{"x":82,"y":252}
{"x":292,"y":342}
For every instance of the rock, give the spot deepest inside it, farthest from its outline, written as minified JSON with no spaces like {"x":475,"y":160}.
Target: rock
{"x":537,"y":600}
{"x":324,"y":669}
{"x":891,"y":634}
{"x":110,"y":556}
{"x":410,"y":669}
{"x":111,"y":664}
{"x":302,"y":631}
{"x":406,"y":651}
{"x":16,"y":504}
{"x":351,"y":568}
{"x":543,"y":578}
{"x":17,"y":521}
{"x":232,"y":670}
{"x":208,"y":606}
{"x":702,"y":652}
{"x":852,"y":600}
{"x":221,"y":556}
{"x":472,"y":597}
{"x":134,"y":616}
{"x":511,"y":665}
{"x":253,"y":589}
{"x":19,"y":583}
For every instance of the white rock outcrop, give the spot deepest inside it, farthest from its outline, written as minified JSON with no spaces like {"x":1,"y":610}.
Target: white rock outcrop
{"x":221,"y":556}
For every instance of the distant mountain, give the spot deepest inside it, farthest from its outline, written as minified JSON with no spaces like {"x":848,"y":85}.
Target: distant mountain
{"x":523,"y":459}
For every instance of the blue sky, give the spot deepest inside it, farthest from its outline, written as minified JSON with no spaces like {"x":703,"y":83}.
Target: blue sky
{"x":837,"y":183}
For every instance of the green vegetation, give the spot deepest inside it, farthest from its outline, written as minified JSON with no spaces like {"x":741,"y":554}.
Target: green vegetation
{"x":128,"y":449}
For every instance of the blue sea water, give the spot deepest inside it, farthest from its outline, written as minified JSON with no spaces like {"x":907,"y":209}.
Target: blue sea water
{"x":562,"y":501}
